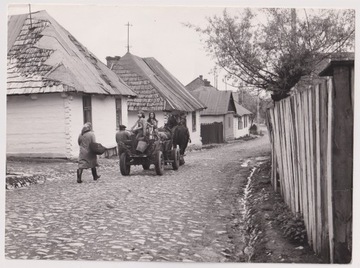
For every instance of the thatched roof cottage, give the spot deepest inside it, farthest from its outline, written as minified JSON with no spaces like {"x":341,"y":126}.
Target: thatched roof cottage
{"x":157,"y":90}
{"x":54,"y":86}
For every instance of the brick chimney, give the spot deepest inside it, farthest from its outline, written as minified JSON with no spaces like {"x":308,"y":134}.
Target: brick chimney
{"x":206,"y":83}
{"x":110,"y":61}
{"x":201,"y":77}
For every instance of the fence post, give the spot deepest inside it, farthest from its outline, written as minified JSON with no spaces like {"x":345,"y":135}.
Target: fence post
{"x":342,"y":158}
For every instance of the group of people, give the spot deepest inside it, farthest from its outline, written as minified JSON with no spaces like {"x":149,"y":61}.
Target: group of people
{"x":142,"y":128}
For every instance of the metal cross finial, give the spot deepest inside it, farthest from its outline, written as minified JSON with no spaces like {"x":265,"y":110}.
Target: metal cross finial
{"x":128,"y":36}
{"x":30,"y":16}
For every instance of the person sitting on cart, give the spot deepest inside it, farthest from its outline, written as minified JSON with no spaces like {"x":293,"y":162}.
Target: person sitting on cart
{"x":123,"y":138}
{"x":152,"y":124}
{"x":139,"y":128}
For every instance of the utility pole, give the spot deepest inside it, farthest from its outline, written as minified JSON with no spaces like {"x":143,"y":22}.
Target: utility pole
{"x":128,"y":36}
{"x":257,"y":109}
{"x":215,"y":78}
{"x":293,"y":27}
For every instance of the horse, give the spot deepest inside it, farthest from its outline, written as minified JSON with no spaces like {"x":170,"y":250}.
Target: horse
{"x":181,"y":137}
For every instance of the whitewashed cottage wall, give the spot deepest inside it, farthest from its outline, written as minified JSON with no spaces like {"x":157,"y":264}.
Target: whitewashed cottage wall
{"x":194,"y":135}
{"x":244,"y":130}
{"x":103,"y":119}
{"x":48,"y":125}
{"x":124,"y":111}
{"x":229,"y":127}
{"x":75,"y":123}
{"x":35,"y":125}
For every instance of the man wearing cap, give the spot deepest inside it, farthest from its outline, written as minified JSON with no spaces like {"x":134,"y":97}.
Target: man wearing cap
{"x":123,"y":138}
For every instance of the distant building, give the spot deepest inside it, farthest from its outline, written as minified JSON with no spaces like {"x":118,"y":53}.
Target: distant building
{"x":157,"y":91}
{"x":224,"y":119}
{"x":54,"y":86}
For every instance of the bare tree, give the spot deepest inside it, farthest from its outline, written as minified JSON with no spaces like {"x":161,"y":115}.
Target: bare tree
{"x":273,"y":48}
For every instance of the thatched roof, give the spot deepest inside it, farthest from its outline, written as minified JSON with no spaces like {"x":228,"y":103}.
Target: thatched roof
{"x":218,"y":102}
{"x":46,"y":58}
{"x":157,"y":89}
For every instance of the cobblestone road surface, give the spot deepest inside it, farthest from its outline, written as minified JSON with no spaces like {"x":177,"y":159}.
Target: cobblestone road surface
{"x":187,"y":215}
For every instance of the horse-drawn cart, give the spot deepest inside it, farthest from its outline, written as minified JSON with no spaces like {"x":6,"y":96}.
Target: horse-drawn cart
{"x":152,"y":151}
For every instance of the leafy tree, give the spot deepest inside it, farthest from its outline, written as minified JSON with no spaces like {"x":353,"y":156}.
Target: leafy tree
{"x":254,"y":103}
{"x":273,"y":48}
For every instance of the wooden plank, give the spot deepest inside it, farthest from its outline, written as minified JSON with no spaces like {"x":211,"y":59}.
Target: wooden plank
{"x":287,"y":174}
{"x":273,"y":151}
{"x":284,"y":153}
{"x":269,"y":124}
{"x":290,"y":154}
{"x":323,"y":170}
{"x":281,"y":152}
{"x":329,"y":170}
{"x":278,"y":147}
{"x":295,"y":153}
{"x":298,"y":164}
{"x":308,"y":164}
{"x":317,"y":173}
{"x":303,"y":161}
{"x":342,"y":163}
{"x":312,"y":168}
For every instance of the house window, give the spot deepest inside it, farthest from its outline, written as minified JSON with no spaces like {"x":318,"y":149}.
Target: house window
{"x":245,"y":121}
{"x":193,"y":121}
{"x":229,"y":121}
{"x":118,"y":112}
{"x":87,"y":108}
{"x":240,"y":122}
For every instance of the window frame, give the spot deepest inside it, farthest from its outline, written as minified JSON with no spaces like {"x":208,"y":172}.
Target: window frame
{"x":193,"y":119}
{"x":240,"y":122}
{"x":87,"y":108}
{"x":118,"y":112}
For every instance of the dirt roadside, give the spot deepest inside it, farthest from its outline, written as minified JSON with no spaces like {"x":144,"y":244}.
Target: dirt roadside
{"x":278,"y":236}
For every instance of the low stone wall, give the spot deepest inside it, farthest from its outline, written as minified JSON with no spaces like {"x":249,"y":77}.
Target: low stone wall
{"x":18,"y":180}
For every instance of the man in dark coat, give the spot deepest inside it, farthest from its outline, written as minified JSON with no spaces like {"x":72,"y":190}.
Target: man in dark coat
{"x":123,"y":138}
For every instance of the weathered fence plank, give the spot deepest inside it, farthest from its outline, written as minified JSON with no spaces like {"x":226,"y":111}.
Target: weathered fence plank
{"x":323,"y":168}
{"x":312,"y":136}
{"x":342,"y":152}
{"x":329,"y":171}
{"x":296,"y":108}
{"x":318,"y":170}
{"x":312,"y":200}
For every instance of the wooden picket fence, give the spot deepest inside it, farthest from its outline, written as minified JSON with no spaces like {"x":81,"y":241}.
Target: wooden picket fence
{"x":301,"y":131}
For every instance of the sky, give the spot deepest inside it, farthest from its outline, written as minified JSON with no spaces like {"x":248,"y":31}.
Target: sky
{"x":157,"y":32}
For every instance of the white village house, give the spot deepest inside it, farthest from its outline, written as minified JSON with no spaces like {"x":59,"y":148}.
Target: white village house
{"x":157,"y":91}
{"x":242,"y":122}
{"x":54,"y":86}
{"x":224,"y":119}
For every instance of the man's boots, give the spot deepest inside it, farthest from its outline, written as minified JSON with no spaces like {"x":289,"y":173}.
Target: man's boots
{"x":95,"y":175}
{"x":79,"y":173}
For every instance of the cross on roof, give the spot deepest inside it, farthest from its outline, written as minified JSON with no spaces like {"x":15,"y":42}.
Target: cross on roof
{"x":128,"y":36}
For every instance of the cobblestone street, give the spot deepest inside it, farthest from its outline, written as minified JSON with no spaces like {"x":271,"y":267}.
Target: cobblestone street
{"x":189,"y":215}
